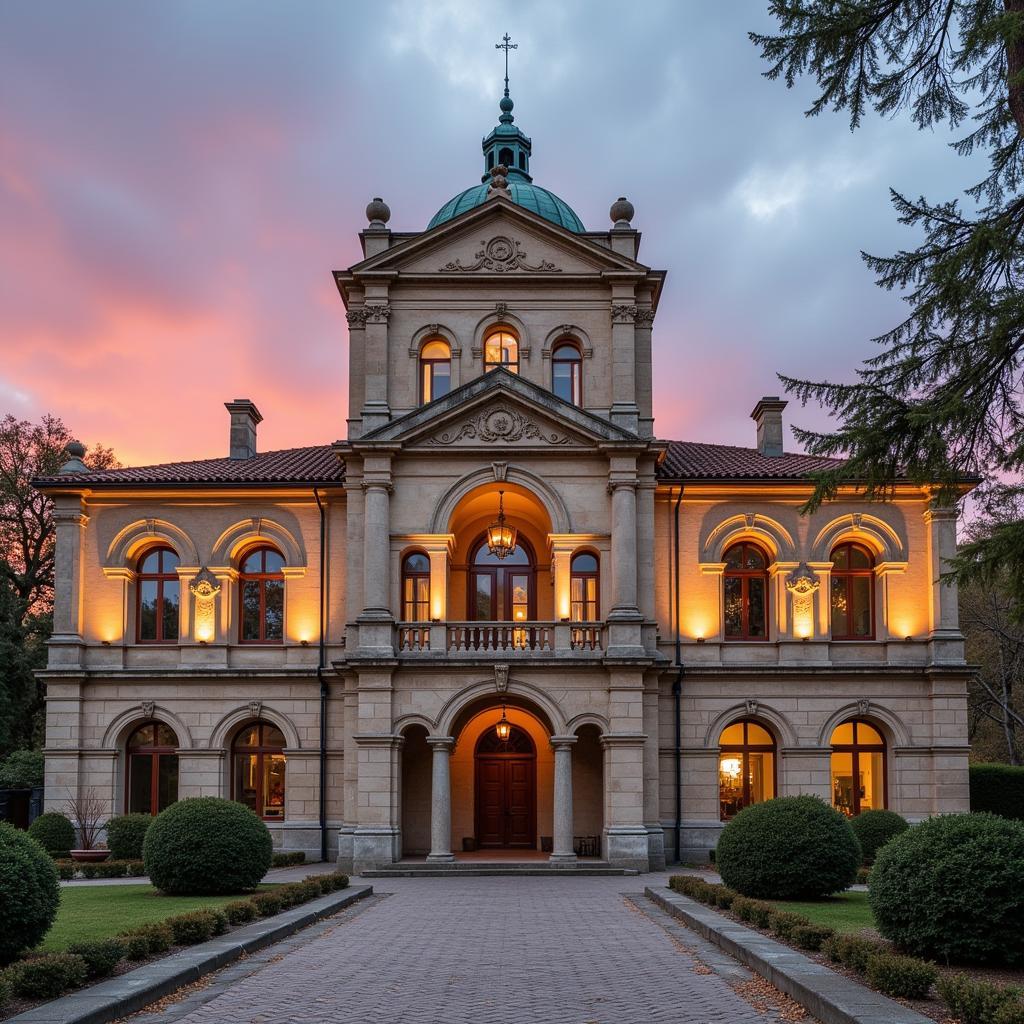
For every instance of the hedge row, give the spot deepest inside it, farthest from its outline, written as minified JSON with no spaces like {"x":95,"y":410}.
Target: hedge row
{"x":287,"y":860}
{"x":902,"y":976}
{"x":48,"y":975}
{"x":71,"y":869}
{"x":981,"y":1002}
{"x":998,"y":789}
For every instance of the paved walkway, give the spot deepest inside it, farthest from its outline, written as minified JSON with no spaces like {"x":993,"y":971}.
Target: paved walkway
{"x":501,"y":949}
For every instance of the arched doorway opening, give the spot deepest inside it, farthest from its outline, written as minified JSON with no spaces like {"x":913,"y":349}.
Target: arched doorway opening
{"x":416,"y":766}
{"x":505,"y":770}
{"x":588,"y":792}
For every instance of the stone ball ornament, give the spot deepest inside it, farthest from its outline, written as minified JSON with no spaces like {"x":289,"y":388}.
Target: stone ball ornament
{"x":378,"y":213}
{"x":621,"y":212}
{"x":76,"y":449}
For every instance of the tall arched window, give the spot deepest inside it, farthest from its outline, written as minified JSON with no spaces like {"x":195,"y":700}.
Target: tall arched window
{"x":257,"y":770}
{"x":746,"y":767}
{"x":853,"y":585}
{"x":746,"y":592}
{"x":584,"y":587}
{"x":416,"y":587}
{"x":152,"y":771}
{"x":567,"y":372}
{"x":501,"y":348}
{"x":159,"y":597}
{"x":261,"y":591}
{"x":858,"y":768}
{"x":501,"y":589}
{"x":435,"y":370}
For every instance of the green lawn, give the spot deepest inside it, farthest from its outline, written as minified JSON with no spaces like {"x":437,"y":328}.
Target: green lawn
{"x":848,"y":912}
{"x":99,"y":911}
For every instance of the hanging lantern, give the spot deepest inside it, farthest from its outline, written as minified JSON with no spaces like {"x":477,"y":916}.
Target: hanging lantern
{"x":504,"y":727}
{"x":501,"y":538}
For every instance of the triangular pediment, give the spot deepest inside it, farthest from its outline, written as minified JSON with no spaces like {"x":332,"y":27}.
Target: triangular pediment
{"x":497,"y":238}
{"x":500,"y":410}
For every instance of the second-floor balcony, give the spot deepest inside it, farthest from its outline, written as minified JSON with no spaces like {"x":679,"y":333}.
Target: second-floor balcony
{"x":524,"y":638}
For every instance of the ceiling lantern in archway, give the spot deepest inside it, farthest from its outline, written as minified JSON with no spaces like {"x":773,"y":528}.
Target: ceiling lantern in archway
{"x":501,"y":537}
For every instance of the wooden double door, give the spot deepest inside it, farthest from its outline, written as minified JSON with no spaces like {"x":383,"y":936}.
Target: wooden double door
{"x":506,"y":788}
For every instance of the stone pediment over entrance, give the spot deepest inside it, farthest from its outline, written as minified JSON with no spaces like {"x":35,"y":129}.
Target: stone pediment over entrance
{"x":500,"y":410}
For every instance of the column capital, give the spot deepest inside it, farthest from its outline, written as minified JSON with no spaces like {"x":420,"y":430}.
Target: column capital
{"x":620,"y":484}
{"x":376,"y":485}
{"x":939,"y":513}
{"x":563,"y":742}
{"x":446,"y":743}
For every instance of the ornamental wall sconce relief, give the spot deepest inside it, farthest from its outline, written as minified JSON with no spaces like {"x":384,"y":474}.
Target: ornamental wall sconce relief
{"x":500,"y":255}
{"x":500,"y":425}
{"x":205,"y":594}
{"x":803,"y":583}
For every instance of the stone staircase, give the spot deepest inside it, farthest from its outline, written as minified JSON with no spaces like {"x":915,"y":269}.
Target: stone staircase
{"x":483,"y":868}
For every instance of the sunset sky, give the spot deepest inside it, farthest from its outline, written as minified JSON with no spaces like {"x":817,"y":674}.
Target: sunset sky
{"x":177,"y":181}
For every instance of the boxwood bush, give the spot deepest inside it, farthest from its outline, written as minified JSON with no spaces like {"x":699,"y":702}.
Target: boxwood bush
{"x":998,"y":789}
{"x":874,"y":829}
{"x":54,"y":832}
{"x":206,"y":846}
{"x":953,"y":888}
{"x":794,"y":847}
{"x":974,"y":1001}
{"x":126,"y":834}
{"x":905,"y":977}
{"x":101,"y":956}
{"x":29,"y":892}
{"x":47,"y":976}
{"x":158,"y":936}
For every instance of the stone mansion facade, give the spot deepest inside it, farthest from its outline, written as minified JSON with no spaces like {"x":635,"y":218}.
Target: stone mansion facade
{"x":502,"y":614}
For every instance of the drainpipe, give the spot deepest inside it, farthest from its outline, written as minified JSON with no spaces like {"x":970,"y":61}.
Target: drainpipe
{"x":321,"y":665}
{"x":677,"y":697}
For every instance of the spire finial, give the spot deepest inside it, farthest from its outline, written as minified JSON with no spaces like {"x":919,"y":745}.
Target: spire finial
{"x":506,"y":44}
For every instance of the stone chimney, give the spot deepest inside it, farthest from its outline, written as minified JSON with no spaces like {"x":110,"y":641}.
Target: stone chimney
{"x":244,"y":417}
{"x":767,"y":415}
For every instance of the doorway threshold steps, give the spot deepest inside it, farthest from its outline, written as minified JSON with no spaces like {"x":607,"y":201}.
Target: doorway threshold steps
{"x":480,"y":868}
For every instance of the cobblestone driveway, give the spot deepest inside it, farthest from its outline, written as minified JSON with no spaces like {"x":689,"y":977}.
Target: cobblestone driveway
{"x":507,"y":950}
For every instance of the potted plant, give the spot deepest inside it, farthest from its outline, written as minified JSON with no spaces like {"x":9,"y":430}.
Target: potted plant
{"x":87,"y":812}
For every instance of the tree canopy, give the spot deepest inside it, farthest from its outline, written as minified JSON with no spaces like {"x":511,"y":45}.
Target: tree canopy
{"x":941,"y":401}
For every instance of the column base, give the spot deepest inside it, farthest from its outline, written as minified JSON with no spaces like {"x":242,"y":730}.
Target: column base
{"x":440,"y":858}
{"x":627,"y":847}
{"x":562,"y":858}
{"x":656,"y":847}
{"x":373,"y":848}
{"x":346,"y":835}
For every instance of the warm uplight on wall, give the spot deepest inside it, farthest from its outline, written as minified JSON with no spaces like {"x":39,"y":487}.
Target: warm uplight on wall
{"x":437,"y":609}
{"x":204,"y":631}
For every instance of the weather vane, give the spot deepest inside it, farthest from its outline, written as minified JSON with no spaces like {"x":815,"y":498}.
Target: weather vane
{"x":506,"y":44}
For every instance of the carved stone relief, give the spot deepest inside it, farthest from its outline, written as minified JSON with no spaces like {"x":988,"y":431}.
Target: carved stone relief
{"x":500,"y":425}
{"x":205,"y":594}
{"x":500,"y":255}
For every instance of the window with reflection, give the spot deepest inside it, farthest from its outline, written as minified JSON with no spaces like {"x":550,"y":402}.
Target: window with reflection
{"x":261,"y":590}
{"x":501,"y":589}
{"x":858,"y":768}
{"x":501,"y":348}
{"x":258,"y":769}
{"x":159,"y":593}
{"x":746,"y":592}
{"x":435,"y":370}
{"x":152,"y":771}
{"x":853,"y":586}
{"x":746,"y":767}
{"x":584,"y":585}
{"x":416,"y":587}
{"x":567,"y":372}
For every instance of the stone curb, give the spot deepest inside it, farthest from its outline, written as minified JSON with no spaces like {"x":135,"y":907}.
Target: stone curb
{"x":130,"y":992}
{"x":831,"y":997}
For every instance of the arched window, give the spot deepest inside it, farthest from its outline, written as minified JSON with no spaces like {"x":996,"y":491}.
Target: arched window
{"x":501,"y":589}
{"x":501,"y":349}
{"x":746,"y":592}
{"x":505,"y":157}
{"x":416,"y":587}
{"x":746,"y":767}
{"x":257,"y":770}
{"x":858,"y":768}
{"x":853,"y":585}
{"x":152,"y":773}
{"x":435,"y":370}
{"x":567,"y":372}
{"x":261,"y":590}
{"x":159,"y":597}
{"x":584,"y":587}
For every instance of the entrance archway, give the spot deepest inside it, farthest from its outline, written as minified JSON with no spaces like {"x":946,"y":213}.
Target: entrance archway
{"x":506,"y":790}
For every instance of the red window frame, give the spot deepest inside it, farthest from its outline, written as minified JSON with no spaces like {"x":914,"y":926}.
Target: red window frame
{"x":161,"y":577}
{"x":260,"y":750}
{"x":262,"y":578}
{"x":744,"y":750}
{"x":856,"y":748}
{"x":848,"y":576}
{"x":576,"y":375}
{"x":745,"y":576}
{"x":507,"y":572}
{"x":413,"y":576}
{"x":154,"y":751}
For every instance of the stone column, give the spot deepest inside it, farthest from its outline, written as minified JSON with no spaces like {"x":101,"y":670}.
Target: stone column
{"x":375,"y":620}
{"x":624,"y":412}
{"x":66,"y":643}
{"x":441,"y":799}
{"x":562,"y":849}
{"x":376,"y":409}
{"x":944,"y":635}
{"x":623,"y":546}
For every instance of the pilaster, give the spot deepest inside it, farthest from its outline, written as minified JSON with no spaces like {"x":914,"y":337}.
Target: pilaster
{"x":945,"y":641}
{"x":66,"y":643}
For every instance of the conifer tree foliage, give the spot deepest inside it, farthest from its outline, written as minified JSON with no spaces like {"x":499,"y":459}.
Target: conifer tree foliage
{"x":941,"y":401}
{"x":27,"y":451}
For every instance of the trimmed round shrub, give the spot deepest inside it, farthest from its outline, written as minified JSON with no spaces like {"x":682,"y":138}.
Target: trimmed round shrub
{"x":54,"y":832}
{"x":29,"y":892}
{"x":794,"y":847}
{"x":101,"y":956}
{"x":952,"y":888}
{"x":206,"y":846}
{"x":158,"y":936}
{"x":136,"y":947}
{"x":905,"y":977}
{"x":126,"y":834}
{"x":267,"y":904}
{"x":874,"y":829}
{"x":240,"y":912}
{"x":47,"y":976}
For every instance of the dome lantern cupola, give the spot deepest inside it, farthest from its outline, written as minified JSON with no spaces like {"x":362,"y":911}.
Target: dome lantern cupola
{"x":507,"y":144}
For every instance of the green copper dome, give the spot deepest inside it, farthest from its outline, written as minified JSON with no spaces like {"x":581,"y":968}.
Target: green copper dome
{"x":507,"y":146}
{"x":524,"y":193}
